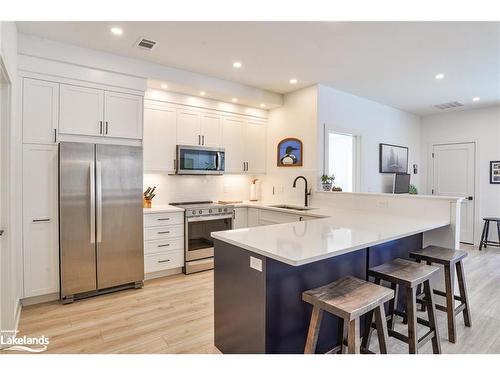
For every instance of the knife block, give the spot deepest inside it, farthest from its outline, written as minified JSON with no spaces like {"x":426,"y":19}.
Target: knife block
{"x":146,"y":203}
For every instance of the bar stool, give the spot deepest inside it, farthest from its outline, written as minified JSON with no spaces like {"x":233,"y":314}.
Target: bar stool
{"x":408,"y":275}
{"x":450,"y":259}
{"x":348,"y":299}
{"x":486,"y":231}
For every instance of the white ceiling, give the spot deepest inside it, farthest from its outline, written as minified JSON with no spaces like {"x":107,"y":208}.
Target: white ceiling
{"x":390,"y":62}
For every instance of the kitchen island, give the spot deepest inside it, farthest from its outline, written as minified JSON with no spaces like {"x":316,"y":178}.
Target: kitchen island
{"x":261,"y":272}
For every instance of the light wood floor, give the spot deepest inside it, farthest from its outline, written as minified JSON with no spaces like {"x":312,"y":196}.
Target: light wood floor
{"x":175,"y":315}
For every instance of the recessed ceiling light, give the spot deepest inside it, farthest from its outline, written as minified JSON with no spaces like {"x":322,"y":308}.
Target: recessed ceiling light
{"x":439,"y":76}
{"x":293,"y":81}
{"x":262,"y":105}
{"x":476,"y":99}
{"x":234,"y":100}
{"x":202,"y":93}
{"x":237,"y":64}
{"x":116,"y":31}
{"x":164,"y":86}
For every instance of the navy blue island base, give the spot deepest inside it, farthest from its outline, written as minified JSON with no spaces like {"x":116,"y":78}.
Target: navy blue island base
{"x":263,"y":312}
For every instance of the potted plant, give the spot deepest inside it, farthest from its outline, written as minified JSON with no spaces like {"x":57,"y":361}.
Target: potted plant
{"x":327,"y":182}
{"x":413,"y":189}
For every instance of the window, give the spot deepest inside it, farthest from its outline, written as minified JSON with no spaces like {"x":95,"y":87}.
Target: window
{"x":342,"y":160}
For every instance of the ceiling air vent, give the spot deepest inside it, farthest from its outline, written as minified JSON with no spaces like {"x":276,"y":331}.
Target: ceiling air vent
{"x":449,"y":105}
{"x":146,"y":44}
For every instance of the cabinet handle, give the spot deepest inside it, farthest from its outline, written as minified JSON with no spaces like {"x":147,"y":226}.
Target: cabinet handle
{"x":199,"y":139}
{"x":164,"y":261}
{"x":106,"y":127}
{"x":55,"y":135}
{"x":163,"y":218}
{"x":165,"y":232}
{"x":41,"y":220}
{"x":100,"y":127}
{"x":1,"y":231}
{"x":203,"y":140}
{"x":164,"y":245}
{"x":243,"y":166}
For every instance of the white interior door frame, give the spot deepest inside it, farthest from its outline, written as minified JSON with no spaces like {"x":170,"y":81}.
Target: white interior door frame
{"x":477,"y":194}
{"x":6,"y":317}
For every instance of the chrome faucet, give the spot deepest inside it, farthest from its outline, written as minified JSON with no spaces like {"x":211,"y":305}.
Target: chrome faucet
{"x":306,"y":191}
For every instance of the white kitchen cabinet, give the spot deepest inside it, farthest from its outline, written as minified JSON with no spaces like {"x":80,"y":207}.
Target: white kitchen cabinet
{"x":122,"y":115}
{"x":160,"y":134}
{"x":40,"y":220}
{"x":233,"y":140}
{"x":188,"y":127}
{"x":163,"y":242}
{"x":211,"y":129}
{"x":268,"y":217}
{"x":253,"y":217}
{"x":40,"y":111}
{"x":81,"y":110}
{"x":255,"y":146}
{"x":240,"y":218}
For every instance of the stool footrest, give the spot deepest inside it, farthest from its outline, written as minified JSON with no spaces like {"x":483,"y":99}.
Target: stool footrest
{"x":443,"y":294}
{"x":425,"y":338}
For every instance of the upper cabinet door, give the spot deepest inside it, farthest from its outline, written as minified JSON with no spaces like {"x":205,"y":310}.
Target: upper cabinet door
{"x":40,"y":111}
{"x":255,"y":143}
{"x":122,"y":115}
{"x":233,"y":140}
{"x":188,"y":127}
{"x":81,"y":110}
{"x":211,"y":130}
{"x":159,"y":138}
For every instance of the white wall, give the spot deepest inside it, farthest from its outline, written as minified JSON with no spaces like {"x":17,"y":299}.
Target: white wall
{"x":11,"y":259}
{"x":375,"y":123}
{"x":297,"y":118}
{"x":481,"y":126}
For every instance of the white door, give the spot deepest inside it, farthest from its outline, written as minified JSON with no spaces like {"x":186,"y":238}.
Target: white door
{"x":122,"y":115}
{"x":81,"y":110}
{"x":211,"y":130}
{"x":40,"y":220}
{"x":159,"y":138}
{"x":454,"y":175}
{"x":40,"y":111}
{"x":188,"y":128}
{"x":233,"y":139}
{"x":255,"y":144}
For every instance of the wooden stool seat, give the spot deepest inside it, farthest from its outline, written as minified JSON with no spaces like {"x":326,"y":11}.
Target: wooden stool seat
{"x":348,"y":299}
{"x":408,"y":275}
{"x":403,"y":272}
{"x":486,"y":231}
{"x":437,"y":254}
{"x":451,"y":259}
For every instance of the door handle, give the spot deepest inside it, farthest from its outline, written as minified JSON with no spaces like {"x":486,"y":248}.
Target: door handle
{"x":1,"y":232}
{"x":470,"y":198}
{"x":100,"y":127}
{"x":98,"y":187}
{"x":55,"y":135}
{"x":199,"y":139}
{"x":203,"y":140}
{"x":106,"y":128}
{"x":45,"y":220}
{"x":92,"y":201}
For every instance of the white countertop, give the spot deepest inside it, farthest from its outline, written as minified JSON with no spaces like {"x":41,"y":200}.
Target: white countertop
{"x":344,"y":231}
{"x":162,"y":208}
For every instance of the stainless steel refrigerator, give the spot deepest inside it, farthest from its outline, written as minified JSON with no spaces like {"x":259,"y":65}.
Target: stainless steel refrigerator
{"x":100,"y":219}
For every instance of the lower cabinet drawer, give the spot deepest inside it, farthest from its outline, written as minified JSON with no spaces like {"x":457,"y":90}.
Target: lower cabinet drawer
{"x":160,"y":233}
{"x":167,"y":218}
{"x":163,"y":261}
{"x":158,"y":246}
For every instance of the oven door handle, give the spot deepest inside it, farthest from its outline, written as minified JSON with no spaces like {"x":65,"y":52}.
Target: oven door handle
{"x":209,"y":218}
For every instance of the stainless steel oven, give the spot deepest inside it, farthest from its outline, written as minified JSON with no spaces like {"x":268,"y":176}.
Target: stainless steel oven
{"x":201,"y":219}
{"x":200,"y":160}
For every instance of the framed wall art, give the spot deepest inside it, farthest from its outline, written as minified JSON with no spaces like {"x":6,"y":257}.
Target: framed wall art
{"x":393,"y":159}
{"x":290,"y":152}
{"x":495,"y":172}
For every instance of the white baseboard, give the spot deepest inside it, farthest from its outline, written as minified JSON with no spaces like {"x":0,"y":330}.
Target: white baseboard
{"x":40,"y":299}
{"x":155,"y":275}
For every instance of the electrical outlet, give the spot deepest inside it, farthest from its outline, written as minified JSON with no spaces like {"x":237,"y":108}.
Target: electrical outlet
{"x":256,"y":263}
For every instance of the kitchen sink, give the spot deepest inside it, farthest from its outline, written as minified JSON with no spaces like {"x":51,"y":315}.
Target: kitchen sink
{"x":291,"y":207}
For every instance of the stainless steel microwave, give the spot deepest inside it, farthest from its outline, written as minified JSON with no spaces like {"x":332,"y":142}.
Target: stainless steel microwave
{"x":200,"y":160}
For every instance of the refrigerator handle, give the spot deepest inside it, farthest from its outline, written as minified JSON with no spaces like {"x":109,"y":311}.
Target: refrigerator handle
{"x":98,"y":187}
{"x":92,"y":201}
